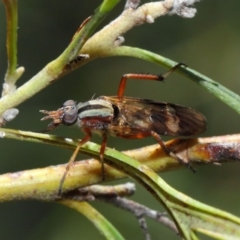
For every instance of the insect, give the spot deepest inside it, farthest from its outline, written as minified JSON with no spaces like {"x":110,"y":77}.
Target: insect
{"x":127,"y":117}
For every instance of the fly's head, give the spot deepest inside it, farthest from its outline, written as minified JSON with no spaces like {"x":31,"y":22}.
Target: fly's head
{"x":66,"y":115}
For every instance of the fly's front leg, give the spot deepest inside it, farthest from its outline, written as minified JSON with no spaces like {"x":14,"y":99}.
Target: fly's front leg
{"x":125,"y":77}
{"x":73,"y":157}
{"x":169,"y":152}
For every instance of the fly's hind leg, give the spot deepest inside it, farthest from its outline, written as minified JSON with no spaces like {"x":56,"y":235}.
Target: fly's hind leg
{"x":169,"y":152}
{"x":142,"y":76}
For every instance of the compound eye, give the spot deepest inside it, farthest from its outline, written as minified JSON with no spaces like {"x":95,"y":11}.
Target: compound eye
{"x":69,"y":103}
{"x":70,"y":113}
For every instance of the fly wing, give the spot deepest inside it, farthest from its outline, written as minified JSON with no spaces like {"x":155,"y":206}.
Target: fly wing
{"x":178,"y":120}
{"x":138,"y":117}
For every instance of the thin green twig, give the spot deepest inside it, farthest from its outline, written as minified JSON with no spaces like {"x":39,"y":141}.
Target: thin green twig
{"x":11,"y":7}
{"x":99,"y":221}
{"x":222,"y":93}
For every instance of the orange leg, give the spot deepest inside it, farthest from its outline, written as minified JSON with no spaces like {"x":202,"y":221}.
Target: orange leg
{"x":169,"y":152}
{"x":125,"y":77}
{"x":102,"y":150}
{"x":73,"y":157}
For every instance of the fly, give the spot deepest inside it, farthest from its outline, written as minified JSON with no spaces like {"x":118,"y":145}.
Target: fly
{"x":127,"y":117}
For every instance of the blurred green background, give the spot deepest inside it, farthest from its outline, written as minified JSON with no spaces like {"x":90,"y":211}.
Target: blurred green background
{"x":208,"y":43}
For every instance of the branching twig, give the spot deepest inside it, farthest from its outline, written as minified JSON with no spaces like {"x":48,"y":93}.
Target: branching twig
{"x":114,"y":195}
{"x":96,"y":191}
{"x":140,"y":211}
{"x":43,"y":183}
{"x":102,"y":44}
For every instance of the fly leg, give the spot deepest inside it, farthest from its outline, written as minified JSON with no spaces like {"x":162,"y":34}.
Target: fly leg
{"x":169,"y":152}
{"x":73,"y":157}
{"x":102,"y":150}
{"x":142,"y":76}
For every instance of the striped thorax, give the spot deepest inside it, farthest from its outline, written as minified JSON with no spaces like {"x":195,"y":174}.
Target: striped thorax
{"x":95,"y":114}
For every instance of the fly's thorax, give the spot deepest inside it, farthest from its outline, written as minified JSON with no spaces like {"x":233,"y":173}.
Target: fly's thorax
{"x":97,"y":111}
